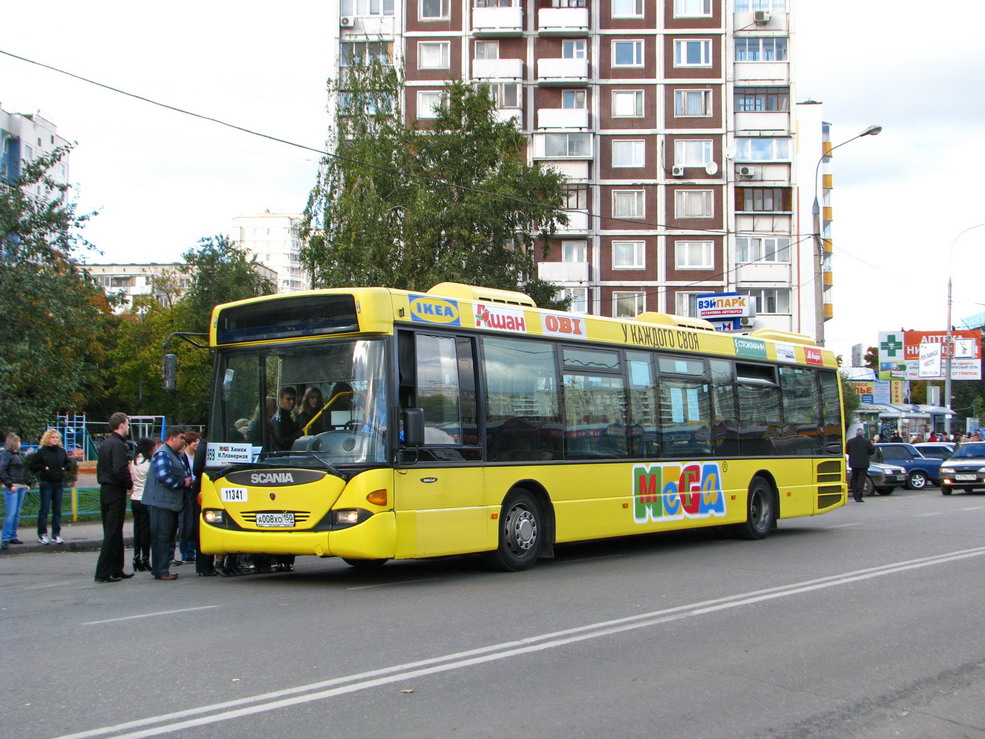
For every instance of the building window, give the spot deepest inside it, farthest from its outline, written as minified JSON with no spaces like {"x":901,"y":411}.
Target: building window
{"x":761,"y":49}
{"x":574,"y":49}
{"x":686,"y":304}
{"x":578,"y":296}
{"x":628,"y":154}
{"x":367,"y":7}
{"x":567,"y":144}
{"x":776,"y":199}
{"x":770,"y":6}
{"x":568,"y":3}
{"x":762,"y":149}
{"x":574,"y":99}
{"x":762,"y":249}
{"x":693,"y":152}
{"x":487,"y":49}
{"x":769,"y":299}
{"x":694,"y":255}
{"x":627,"y":104}
{"x":434,"y":9}
{"x":495,"y":3}
{"x":359,"y":53}
{"x":576,"y":198}
{"x":627,"y":53}
{"x":505,"y":94}
{"x":692,"y":103}
{"x":627,"y":203}
{"x":574,"y":251}
{"x":627,"y":8}
{"x":433,"y":54}
{"x":762,"y":99}
{"x":628,"y":304}
{"x":429,"y":103}
{"x":692,"y":8}
{"x":694,"y":204}
{"x":692,"y":53}
{"x":627,"y":255}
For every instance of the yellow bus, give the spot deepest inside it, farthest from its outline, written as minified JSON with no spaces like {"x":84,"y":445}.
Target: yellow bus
{"x":374,"y":424}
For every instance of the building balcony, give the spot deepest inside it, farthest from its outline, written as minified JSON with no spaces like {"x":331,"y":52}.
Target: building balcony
{"x":767,"y":74}
{"x":578,"y":222}
{"x":563,"y":271}
{"x":497,"y":69}
{"x":562,"y":22}
{"x":763,"y":123}
{"x":562,"y":118}
{"x":507,"y":114}
{"x":497,"y":22}
{"x":563,"y":146}
{"x":562,"y":72}
{"x":764,"y":274}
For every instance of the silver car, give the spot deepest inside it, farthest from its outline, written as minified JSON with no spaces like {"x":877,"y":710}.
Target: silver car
{"x":964,"y":470}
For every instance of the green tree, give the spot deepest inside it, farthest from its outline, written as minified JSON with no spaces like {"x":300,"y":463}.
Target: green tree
{"x":53,"y":312}
{"x":850,"y":399}
{"x":408,"y":207}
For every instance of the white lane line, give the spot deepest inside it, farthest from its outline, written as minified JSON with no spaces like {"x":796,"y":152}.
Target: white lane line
{"x":845,"y":525}
{"x":974,"y":508}
{"x":391,"y":584}
{"x":925,"y":515}
{"x":50,"y":585}
{"x":227,"y":710}
{"x":146,"y":615}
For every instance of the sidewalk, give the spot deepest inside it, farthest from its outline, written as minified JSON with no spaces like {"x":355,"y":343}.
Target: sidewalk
{"x":81,"y":536}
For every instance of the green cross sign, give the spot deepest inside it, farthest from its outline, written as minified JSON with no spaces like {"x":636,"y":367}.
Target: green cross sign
{"x":891,"y":345}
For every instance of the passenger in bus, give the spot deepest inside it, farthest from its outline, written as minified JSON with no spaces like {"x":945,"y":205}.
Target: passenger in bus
{"x":254,"y":433}
{"x":311,"y":406}
{"x":284,"y":428}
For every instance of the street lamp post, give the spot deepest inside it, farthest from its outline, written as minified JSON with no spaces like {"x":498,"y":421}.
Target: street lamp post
{"x":949,"y":342}
{"x":818,"y":242}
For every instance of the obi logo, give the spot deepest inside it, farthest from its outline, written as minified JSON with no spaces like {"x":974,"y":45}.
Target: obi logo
{"x":429,"y":309}
{"x":567,"y":326}
{"x":671,"y":491}
{"x":499,"y":318}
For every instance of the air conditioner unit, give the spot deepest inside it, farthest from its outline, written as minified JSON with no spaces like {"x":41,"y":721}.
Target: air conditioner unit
{"x":761,"y":18}
{"x":746,"y":172}
{"x":347,"y":21}
{"x":746,"y":322}
{"x":676,"y":171}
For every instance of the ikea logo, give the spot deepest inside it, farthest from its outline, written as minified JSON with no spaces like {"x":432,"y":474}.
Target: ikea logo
{"x":429,"y":309}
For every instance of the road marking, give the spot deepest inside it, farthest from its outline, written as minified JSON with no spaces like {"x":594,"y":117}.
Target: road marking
{"x":146,"y":615}
{"x":846,"y":525}
{"x":974,"y":508}
{"x":49,"y":585}
{"x":924,"y":515}
{"x":390,"y":584}
{"x":197,"y":717}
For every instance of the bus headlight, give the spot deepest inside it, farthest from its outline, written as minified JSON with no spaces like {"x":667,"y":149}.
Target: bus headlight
{"x":346,"y":517}
{"x":213,"y":517}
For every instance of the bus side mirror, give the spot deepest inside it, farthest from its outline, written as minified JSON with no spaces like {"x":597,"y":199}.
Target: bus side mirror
{"x":170,"y":372}
{"x":413,"y":427}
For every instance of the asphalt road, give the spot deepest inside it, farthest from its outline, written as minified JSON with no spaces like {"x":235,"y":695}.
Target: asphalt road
{"x":866,"y":622}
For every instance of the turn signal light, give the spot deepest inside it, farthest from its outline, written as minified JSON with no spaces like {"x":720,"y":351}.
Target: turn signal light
{"x":377,"y":497}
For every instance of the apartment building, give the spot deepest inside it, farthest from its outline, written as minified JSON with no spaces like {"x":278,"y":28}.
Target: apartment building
{"x":673,"y":121}
{"x":23,"y":138}
{"x":273,"y":239}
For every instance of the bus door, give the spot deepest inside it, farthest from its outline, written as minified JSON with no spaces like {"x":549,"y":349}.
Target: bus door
{"x":438,"y":490}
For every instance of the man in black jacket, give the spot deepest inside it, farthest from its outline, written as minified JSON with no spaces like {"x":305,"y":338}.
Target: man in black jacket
{"x":113,"y":476}
{"x":860,"y":451}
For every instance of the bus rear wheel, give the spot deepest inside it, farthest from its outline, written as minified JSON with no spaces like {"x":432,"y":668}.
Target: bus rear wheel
{"x":760,"y":511}
{"x":521,"y":533}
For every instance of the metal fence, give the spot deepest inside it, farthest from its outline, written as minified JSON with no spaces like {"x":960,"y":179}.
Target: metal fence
{"x":76,"y":503}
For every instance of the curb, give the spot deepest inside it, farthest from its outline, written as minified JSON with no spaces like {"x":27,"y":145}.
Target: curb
{"x":84,"y":545}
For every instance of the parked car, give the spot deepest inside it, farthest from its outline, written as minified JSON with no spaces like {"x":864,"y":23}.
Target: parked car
{"x":920,"y":470}
{"x":964,"y":470}
{"x":936,"y":449}
{"x":882,"y":478}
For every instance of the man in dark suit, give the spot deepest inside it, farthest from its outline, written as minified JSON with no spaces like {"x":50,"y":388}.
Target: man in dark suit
{"x":113,"y":476}
{"x":860,"y":451}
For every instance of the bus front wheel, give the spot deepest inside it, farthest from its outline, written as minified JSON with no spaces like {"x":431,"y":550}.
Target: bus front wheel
{"x":521,"y":533}
{"x":760,"y":511}
{"x":365,"y":564}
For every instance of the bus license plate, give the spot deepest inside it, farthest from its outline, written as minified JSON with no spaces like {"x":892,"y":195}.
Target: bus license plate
{"x":275,"y":520}
{"x":965,"y":477}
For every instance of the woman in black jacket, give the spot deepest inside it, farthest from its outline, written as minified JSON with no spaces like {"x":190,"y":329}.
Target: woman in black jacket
{"x":14,"y":487}
{"x":51,"y":463}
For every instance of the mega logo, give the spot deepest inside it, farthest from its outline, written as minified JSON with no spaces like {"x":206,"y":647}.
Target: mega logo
{"x":500,"y":318}
{"x":674,"y":491}
{"x":429,"y":309}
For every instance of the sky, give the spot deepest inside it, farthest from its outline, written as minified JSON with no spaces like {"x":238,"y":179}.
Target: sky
{"x":162,"y":180}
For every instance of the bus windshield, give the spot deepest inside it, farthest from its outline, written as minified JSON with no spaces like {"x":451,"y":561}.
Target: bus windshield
{"x":318,"y":404}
